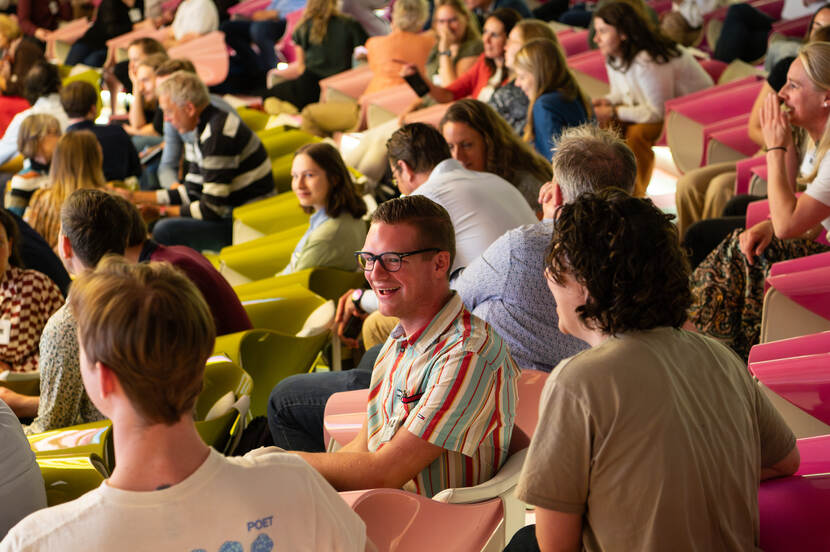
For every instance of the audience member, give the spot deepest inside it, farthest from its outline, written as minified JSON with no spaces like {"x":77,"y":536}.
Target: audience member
{"x":654,"y":427}
{"x":63,"y":400}
{"x":728,"y":286}
{"x":21,"y":485}
{"x":644,"y":70}
{"x":120,"y":75}
{"x":112,"y":18}
{"x":482,"y":141}
{"x":459,"y":42}
{"x":505,"y":286}
{"x":36,"y":140}
{"x":556,"y":101}
{"x":171,"y":156}
{"x":37,"y":18}
{"x":484,"y":8}
{"x":120,"y":159}
{"x":324,"y":187}
{"x":317,"y":58}
{"x":145,"y":103}
{"x":76,"y":164}
{"x":193,"y":19}
{"x":440,"y":412}
{"x":228,"y":167}
{"x":20,"y":55}
{"x":27,"y":300}
{"x":781,"y":47}
{"x":264,"y":29}
{"x":41,"y":88}
{"x":228,"y":314}
{"x":147,"y":383}
{"x":38,"y":255}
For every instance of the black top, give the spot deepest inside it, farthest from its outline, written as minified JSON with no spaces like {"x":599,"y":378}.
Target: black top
{"x":37,"y":255}
{"x":113,"y":19}
{"x":120,"y":157}
{"x":778,"y":76}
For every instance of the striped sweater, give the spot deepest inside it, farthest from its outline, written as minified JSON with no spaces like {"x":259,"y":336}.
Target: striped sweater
{"x":228,"y":167}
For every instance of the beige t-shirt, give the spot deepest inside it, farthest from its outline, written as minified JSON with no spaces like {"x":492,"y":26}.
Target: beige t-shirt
{"x":658,"y":439}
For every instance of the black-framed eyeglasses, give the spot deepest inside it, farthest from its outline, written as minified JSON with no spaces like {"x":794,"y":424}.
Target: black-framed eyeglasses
{"x":389,"y":260}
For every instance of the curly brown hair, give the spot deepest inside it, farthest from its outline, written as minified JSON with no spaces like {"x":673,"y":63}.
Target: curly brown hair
{"x":625,"y":252}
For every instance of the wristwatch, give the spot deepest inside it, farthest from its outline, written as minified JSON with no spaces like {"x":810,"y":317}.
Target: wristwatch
{"x":357,"y":295}
{"x":447,"y":53}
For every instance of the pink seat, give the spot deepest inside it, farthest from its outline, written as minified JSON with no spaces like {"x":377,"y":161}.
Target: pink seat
{"x":795,"y":28}
{"x":574,"y":42}
{"x":713,"y":67}
{"x":170,"y":6}
{"x":591,"y":63}
{"x":208,"y":53}
{"x":744,"y":172}
{"x":413,"y":523}
{"x":67,"y":34}
{"x":815,"y":455}
{"x":344,"y":415}
{"x":248,"y":7}
{"x":793,"y":513}
{"x":819,"y":260}
{"x":430,"y":115}
{"x":802,"y":380}
{"x":285,"y":47}
{"x":809,"y":288}
{"x":728,"y":144}
{"x":351,"y":83}
{"x":660,"y":6}
{"x":123,"y":40}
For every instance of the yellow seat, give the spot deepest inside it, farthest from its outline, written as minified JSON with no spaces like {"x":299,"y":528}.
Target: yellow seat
{"x":288,"y":234}
{"x":269,"y":357}
{"x":286,"y":143}
{"x":94,"y":438}
{"x":253,"y":118}
{"x":67,"y":476}
{"x":226,"y":423}
{"x":281,"y":173}
{"x":329,"y":283}
{"x":284,"y":310}
{"x":267,"y":216}
{"x":267,"y":257}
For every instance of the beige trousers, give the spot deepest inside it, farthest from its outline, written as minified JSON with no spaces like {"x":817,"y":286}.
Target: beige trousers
{"x":703,"y":193}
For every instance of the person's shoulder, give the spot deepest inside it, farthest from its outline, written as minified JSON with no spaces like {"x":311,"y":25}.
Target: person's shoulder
{"x":61,"y":325}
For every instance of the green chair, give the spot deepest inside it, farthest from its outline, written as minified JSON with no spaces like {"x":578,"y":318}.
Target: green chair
{"x":281,"y":173}
{"x":286,"y":143}
{"x":222,"y":406}
{"x":269,"y":357}
{"x":25,"y":383}
{"x":255,"y":120}
{"x":285,"y":310}
{"x":246,"y":263}
{"x":328,"y":283}
{"x":66,"y":476}
{"x":94,"y":438}
{"x":267,"y":216}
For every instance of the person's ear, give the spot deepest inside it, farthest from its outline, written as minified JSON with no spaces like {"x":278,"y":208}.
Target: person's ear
{"x":558,"y":200}
{"x":441,"y":262}
{"x":64,"y":247}
{"x":107,"y":380}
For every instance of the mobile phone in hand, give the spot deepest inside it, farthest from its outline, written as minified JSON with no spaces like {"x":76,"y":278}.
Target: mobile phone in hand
{"x":418,"y":84}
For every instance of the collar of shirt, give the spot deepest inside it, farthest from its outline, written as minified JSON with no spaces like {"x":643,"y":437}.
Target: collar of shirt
{"x":317,"y":218}
{"x":423,"y":338}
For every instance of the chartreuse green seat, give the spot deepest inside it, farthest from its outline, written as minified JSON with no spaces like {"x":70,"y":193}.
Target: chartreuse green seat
{"x":328,"y":283}
{"x":260,"y":258}
{"x":68,"y":476}
{"x":222,"y":406}
{"x":267,"y":216}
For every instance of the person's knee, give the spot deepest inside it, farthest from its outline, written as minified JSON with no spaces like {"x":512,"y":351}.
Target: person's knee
{"x":267,"y":31}
{"x":287,"y":391}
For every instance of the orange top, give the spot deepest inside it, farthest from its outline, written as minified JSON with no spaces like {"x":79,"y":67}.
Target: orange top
{"x":386,"y":52}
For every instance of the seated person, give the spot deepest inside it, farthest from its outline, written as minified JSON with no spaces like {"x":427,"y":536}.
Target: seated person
{"x":443,"y":387}
{"x":324,"y":187}
{"x":145,"y":103}
{"x":36,"y":141}
{"x":41,"y":88}
{"x":112,"y":18}
{"x":147,"y":383}
{"x":76,"y":164}
{"x":228,"y":314}
{"x":120,"y":75}
{"x":21,"y":485}
{"x":655,"y":438}
{"x":27,"y":300}
{"x":193,"y":19}
{"x":228,"y":167}
{"x":63,"y":401}
{"x":21,"y":53}
{"x":37,"y":18}
{"x":120,"y":159}
{"x":37,"y":255}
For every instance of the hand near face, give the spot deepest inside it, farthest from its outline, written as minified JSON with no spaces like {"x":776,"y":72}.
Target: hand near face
{"x":775,"y":123}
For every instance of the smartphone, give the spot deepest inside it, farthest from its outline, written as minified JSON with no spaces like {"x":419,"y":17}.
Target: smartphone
{"x":352,"y":329}
{"x":418,"y":84}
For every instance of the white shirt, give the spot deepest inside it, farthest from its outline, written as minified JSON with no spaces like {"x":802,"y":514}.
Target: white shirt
{"x":643,"y":89}
{"x":482,"y":207}
{"x":819,"y":188}
{"x":264,"y":500}
{"x":195,"y":16}
{"x":694,"y":10}
{"x":50,"y":104}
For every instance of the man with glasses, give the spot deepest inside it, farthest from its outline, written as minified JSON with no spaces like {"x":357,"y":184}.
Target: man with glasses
{"x":443,"y":389}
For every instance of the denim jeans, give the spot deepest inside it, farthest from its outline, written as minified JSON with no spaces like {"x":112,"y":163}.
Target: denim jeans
{"x":297,"y":403}
{"x":201,"y":235}
{"x":524,"y":540}
{"x":81,"y":53}
{"x":265,"y":34}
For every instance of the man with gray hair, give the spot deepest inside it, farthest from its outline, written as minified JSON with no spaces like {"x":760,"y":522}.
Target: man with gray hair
{"x":506,"y":285}
{"x":230,"y":168}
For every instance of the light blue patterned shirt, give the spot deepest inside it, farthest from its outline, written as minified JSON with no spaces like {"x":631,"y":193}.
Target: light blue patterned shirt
{"x":506,"y":287}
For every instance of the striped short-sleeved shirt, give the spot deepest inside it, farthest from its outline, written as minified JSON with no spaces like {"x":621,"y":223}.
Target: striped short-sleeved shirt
{"x":452,"y":384}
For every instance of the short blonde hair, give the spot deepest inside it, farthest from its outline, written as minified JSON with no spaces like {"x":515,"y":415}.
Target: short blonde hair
{"x":9,"y":27}
{"x":150,"y":325}
{"x":410,"y":15}
{"x":33,"y":129}
{"x":183,"y":87}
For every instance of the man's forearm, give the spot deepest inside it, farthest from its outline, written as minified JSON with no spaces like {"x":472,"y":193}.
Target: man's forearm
{"x":349,"y":471}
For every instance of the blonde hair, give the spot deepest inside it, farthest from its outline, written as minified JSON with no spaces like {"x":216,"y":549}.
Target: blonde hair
{"x":9,"y":27}
{"x":76,"y":164}
{"x":318,"y":12}
{"x":410,"y":15}
{"x":544,"y":60}
{"x":126,"y":314}
{"x":815,"y":57}
{"x":153,"y":61}
{"x":531,"y":29}
{"x":32,"y":130}
{"x":472,"y":31}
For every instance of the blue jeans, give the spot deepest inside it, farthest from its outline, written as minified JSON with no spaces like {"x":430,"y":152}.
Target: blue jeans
{"x":81,"y":53}
{"x":265,"y":34}
{"x":297,"y":403}
{"x":201,"y":235}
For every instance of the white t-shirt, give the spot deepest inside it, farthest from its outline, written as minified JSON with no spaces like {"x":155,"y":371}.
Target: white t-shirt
{"x":819,"y":188}
{"x":642,"y":90}
{"x":195,"y":16}
{"x":482,"y":207}
{"x":260,"y":502}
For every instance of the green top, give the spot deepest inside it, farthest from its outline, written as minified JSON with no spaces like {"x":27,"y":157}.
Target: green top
{"x":334,"y":54}
{"x":332,"y":245}
{"x":471,"y":48}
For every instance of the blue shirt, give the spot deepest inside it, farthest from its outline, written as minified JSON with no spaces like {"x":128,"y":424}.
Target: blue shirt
{"x":551,"y":115}
{"x":506,"y":287}
{"x":284,"y":7}
{"x":315,"y":221}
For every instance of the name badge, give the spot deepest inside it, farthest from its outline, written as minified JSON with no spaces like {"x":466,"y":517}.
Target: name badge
{"x":5,"y":331}
{"x":53,"y":7}
{"x":135,"y":15}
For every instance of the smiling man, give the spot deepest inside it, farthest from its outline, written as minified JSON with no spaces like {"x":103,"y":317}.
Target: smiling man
{"x":443,"y":392}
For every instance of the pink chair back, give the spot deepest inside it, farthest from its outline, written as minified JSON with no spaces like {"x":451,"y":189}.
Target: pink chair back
{"x":530,"y":385}
{"x":170,"y":6}
{"x":802,"y":380}
{"x":573,"y":42}
{"x":744,"y":172}
{"x":759,"y":210}
{"x":286,"y":45}
{"x":714,"y":67}
{"x":248,"y":7}
{"x":815,"y":455}
{"x":660,"y":6}
{"x":808,"y":288}
{"x":209,"y":54}
{"x":721,"y":102}
{"x":793,"y":512}
{"x":591,"y":63}
{"x":344,"y":415}
{"x":819,"y":260}
{"x":795,"y":28}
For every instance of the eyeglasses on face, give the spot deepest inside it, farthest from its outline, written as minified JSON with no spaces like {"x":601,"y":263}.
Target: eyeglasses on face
{"x":389,"y":260}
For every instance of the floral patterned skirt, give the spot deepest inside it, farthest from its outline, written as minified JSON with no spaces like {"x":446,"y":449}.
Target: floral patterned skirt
{"x":728,"y":292}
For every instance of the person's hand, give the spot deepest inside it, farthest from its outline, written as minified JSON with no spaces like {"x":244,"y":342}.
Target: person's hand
{"x":265,"y":15}
{"x":123,"y":192}
{"x":753,"y":241}
{"x":407,"y":70}
{"x":149,"y":212}
{"x":775,"y":123}
{"x":547,"y":199}
{"x":604,"y":113}
{"x":3,"y":368}
{"x":345,"y":312}
{"x":41,"y":34}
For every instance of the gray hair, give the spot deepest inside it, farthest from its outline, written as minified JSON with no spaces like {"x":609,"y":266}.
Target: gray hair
{"x":589,"y":159}
{"x":183,"y":87}
{"x":410,"y":15}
